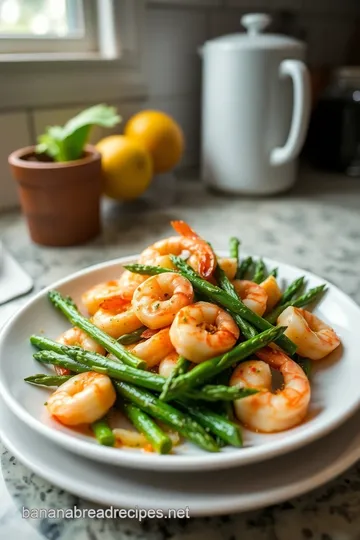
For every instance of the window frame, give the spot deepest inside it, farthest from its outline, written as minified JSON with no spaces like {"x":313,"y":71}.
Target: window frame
{"x":115,"y":71}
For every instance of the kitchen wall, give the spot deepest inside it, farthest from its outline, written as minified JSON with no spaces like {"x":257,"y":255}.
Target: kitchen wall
{"x":174,"y":31}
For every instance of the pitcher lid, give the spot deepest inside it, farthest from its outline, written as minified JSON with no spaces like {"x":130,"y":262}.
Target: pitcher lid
{"x":255,"y":23}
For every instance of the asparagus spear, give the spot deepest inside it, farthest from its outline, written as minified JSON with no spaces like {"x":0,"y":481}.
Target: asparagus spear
{"x":54,"y":359}
{"x":81,"y":361}
{"x":103,"y":432}
{"x":179,"y":421}
{"x":301,"y":301}
{"x":217,"y":392}
{"x":260,"y":270}
{"x":274,"y":272}
{"x":40,"y":379}
{"x":244,"y":267}
{"x":210,"y":368}
{"x":305,"y":364}
{"x":234,"y":244}
{"x":222,"y":427}
{"x":133,"y":337}
{"x":208,"y":419}
{"x":292,"y":289}
{"x":217,"y":295}
{"x":157,"y":438}
{"x":225,"y":407}
{"x":68,"y":308}
{"x":138,"y":268}
{"x":182,"y":365}
{"x":180,"y":368}
{"x":224,"y":283}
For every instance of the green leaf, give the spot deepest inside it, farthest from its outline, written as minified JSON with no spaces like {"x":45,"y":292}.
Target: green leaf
{"x":51,"y":143}
{"x":100,"y":115}
{"x":77,"y":130}
{"x":74,"y":144}
{"x":67,"y":143}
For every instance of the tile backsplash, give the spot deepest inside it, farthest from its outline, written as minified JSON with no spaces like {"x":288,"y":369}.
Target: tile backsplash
{"x":14,"y":133}
{"x":175,"y":29}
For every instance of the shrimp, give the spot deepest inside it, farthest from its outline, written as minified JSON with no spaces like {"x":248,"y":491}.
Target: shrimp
{"x":128,"y":283}
{"x":157,"y":301}
{"x":202,"y":257}
{"x":313,"y":337}
{"x":75,"y":337}
{"x":168,"y":364}
{"x":154,"y":349}
{"x":78,"y":338}
{"x":116,"y":317}
{"x":84,"y":398}
{"x":272,"y":290}
{"x":93,"y":298}
{"x":253,"y":295}
{"x":159,"y":253}
{"x":267,"y":411}
{"x":203,"y":330}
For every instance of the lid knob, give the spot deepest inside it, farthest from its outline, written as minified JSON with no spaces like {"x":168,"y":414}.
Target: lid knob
{"x":255,"y":22}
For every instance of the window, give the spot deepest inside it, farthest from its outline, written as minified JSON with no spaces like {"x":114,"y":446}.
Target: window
{"x":28,"y":18}
{"x":57,"y":52}
{"x":48,"y":26}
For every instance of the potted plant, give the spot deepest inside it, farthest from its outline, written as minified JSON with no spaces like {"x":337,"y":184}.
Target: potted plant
{"x":59,"y":180}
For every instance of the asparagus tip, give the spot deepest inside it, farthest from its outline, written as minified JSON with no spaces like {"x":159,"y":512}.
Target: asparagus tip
{"x":36,"y":379}
{"x":32,"y":378}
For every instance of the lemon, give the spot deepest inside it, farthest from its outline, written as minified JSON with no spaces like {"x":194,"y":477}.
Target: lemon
{"x":127,"y":167}
{"x":160,"y":134}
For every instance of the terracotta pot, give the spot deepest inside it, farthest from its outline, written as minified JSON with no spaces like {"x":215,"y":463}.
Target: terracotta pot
{"x":61,"y":201}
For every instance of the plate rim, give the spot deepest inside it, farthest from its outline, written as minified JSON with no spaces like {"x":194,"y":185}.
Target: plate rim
{"x":178,"y":462}
{"x":256,"y":501}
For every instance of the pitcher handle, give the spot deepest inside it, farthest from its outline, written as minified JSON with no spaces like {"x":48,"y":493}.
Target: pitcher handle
{"x":299,"y":74}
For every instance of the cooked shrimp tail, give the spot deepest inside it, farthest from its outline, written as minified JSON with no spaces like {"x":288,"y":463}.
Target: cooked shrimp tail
{"x":207,"y":255}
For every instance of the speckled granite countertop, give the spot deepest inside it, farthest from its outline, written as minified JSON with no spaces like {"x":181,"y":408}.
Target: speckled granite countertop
{"x":317,"y":226}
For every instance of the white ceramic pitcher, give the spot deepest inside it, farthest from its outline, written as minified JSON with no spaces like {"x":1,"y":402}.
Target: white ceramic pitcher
{"x":255,"y":109}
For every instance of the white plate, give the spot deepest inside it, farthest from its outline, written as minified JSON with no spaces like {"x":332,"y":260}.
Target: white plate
{"x":234,"y":490}
{"x":335,"y":389}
